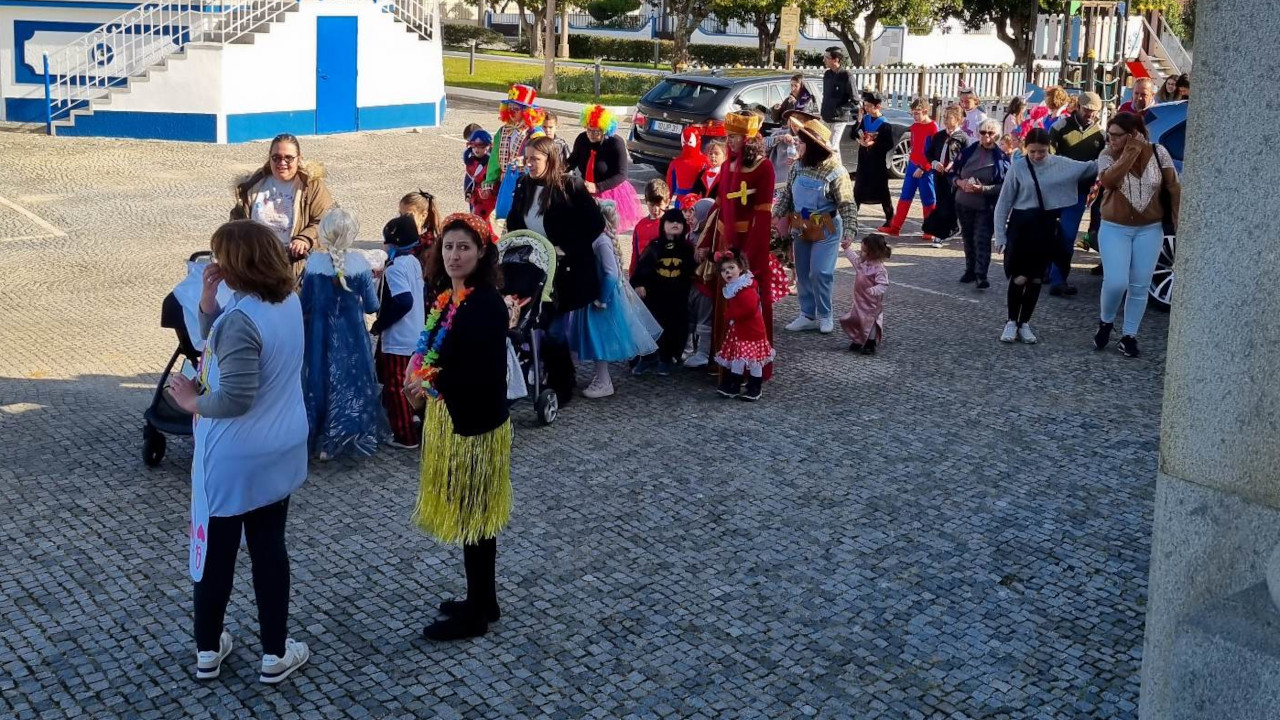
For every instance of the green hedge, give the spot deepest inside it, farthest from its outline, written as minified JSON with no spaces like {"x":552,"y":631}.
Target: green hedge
{"x":611,"y":83}
{"x":461,"y":35}
{"x":641,"y":51}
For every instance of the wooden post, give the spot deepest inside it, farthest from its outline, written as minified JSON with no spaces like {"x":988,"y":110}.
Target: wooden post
{"x":563,"y":50}
{"x":880,"y":80}
{"x":597,"y":80}
{"x":549,"y":86}
{"x":791,"y":57}
{"x":471,"y":58}
{"x":1002,"y":83}
{"x":922,"y":83}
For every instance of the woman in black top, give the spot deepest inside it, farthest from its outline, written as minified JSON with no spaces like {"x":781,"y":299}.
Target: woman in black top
{"x":600,"y":158}
{"x":460,"y":374}
{"x":557,"y":205}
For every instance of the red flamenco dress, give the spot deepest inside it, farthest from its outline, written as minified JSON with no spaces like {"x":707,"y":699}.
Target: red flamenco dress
{"x":745,"y":349}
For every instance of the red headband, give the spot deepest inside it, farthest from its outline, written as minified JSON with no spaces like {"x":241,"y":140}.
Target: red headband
{"x":726,"y":255}
{"x":475,"y":222}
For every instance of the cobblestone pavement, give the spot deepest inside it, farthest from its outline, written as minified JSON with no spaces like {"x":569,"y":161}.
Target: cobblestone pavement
{"x":953,"y":528}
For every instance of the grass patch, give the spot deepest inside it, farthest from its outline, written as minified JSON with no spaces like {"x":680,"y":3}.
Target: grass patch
{"x":499,"y":76}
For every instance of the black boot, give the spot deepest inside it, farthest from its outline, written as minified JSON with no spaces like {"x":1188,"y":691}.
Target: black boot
{"x":471,"y":618}
{"x":855,"y":347}
{"x":754,"y":389}
{"x":869,"y":348}
{"x":730,"y":384}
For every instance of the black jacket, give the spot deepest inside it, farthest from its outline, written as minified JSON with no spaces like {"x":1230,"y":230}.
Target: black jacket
{"x":473,"y":364}
{"x":573,"y":222}
{"x":612,"y":162}
{"x":837,"y":96}
{"x":665,"y":270}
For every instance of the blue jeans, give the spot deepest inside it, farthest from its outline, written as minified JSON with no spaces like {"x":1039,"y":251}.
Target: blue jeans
{"x":815,"y":275}
{"x":1070,"y":221}
{"x":1129,"y":256}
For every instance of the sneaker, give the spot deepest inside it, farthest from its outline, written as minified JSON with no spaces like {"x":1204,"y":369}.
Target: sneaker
{"x":403,"y":446}
{"x":276,"y":669}
{"x":643,"y":366}
{"x":968,"y":277}
{"x":936,"y":242}
{"x":983,"y":284}
{"x":454,"y":608}
{"x":462,"y":626}
{"x":209,"y":662}
{"x":598,"y":389}
{"x":802,"y":323}
{"x":1103,"y":336}
{"x":826,"y":325}
{"x":1068,"y":289}
{"x":664,"y":368}
{"x":1010,"y":332}
{"x":697,"y":360}
{"x":1025,"y":335}
{"x":1128,"y":346}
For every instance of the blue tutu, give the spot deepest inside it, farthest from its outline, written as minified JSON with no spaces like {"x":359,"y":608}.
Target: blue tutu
{"x":622,"y":329}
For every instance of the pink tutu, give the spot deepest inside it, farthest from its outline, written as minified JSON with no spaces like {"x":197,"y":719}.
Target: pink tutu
{"x":628,"y":204}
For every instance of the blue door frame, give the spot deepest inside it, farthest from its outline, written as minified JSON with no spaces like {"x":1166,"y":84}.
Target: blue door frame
{"x":336,"y":37}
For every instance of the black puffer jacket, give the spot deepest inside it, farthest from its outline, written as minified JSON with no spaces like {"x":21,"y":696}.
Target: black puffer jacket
{"x":573,"y":222}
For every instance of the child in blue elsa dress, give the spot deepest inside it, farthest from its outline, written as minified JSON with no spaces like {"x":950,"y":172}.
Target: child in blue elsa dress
{"x":617,"y":327}
{"x":339,"y":384}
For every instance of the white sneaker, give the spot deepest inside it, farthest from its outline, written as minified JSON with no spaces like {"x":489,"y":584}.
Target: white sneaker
{"x":276,"y":669}
{"x":1010,"y":332}
{"x":1025,"y":335}
{"x":209,"y":662}
{"x":802,"y":323}
{"x":598,"y":389}
{"x":826,"y":325}
{"x":697,"y":360}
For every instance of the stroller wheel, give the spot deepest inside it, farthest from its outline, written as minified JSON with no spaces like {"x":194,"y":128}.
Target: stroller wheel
{"x":153,"y":446}
{"x":547,"y":406}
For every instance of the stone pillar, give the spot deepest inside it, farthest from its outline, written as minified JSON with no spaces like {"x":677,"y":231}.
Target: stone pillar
{"x":1212,"y":646}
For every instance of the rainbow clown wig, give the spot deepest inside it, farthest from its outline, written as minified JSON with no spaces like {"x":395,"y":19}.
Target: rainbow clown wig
{"x":597,"y":117}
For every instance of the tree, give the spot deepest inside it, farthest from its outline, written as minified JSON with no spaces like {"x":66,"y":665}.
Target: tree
{"x":842,"y":18}
{"x":854,"y":21}
{"x":688,"y":15}
{"x":763,"y":15}
{"x":1014,"y":20}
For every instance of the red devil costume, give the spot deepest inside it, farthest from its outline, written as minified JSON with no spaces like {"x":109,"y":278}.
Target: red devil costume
{"x":686,"y":170}
{"x":744,"y":203}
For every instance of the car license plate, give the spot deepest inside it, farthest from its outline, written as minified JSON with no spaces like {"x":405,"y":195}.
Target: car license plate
{"x":666,"y":127}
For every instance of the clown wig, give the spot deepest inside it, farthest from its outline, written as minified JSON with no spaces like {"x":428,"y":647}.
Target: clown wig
{"x":597,"y":117}
{"x":527,"y":116}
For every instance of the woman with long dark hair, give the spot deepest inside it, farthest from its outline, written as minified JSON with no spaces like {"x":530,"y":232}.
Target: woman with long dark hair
{"x":558,"y":206}
{"x":1027,"y":220}
{"x":460,"y":374}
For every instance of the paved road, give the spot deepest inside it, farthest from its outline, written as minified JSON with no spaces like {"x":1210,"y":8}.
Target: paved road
{"x":952,"y":529}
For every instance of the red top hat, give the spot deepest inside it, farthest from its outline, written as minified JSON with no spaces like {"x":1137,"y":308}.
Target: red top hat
{"x":522,"y":94}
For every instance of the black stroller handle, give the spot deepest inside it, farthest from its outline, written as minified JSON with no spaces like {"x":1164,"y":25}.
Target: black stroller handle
{"x":200,"y":254}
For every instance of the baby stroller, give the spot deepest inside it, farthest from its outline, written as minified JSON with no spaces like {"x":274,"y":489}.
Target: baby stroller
{"x":528,"y":263}
{"x":178,"y":313}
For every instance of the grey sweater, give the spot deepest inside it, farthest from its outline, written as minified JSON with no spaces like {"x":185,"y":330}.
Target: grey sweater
{"x":1059,"y":182}
{"x":238,"y":348}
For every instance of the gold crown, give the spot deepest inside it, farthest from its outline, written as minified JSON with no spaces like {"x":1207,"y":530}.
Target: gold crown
{"x":740,"y":123}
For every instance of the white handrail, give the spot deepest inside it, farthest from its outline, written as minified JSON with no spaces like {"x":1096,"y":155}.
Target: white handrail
{"x":88,"y":67}
{"x":421,"y":15}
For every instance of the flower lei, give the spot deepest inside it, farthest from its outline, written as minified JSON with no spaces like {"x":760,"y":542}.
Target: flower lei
{"x":423,"y":366}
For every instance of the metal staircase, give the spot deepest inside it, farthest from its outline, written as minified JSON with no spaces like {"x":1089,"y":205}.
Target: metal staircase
{"x":1167,"y":56}
{"x":130,"y":49}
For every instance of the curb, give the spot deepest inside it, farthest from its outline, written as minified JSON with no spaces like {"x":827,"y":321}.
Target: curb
{"x":558,"y":105}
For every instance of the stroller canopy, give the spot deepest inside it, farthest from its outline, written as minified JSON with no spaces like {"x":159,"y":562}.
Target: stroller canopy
{"x":525,"y":247}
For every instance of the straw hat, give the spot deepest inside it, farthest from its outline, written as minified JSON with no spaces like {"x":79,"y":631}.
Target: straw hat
{"x":815,"y":132}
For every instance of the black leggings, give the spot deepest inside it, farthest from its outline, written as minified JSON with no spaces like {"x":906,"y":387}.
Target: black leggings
{"x":264,"y":531}
{"x":1022,"y":299}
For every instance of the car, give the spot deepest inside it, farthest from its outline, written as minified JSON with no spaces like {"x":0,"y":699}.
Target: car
{"x":1167,"y":125}
{"x":704,"y":98}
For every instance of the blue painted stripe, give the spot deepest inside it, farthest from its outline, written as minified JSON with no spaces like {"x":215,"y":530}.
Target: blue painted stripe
{"x":194,"y":127}
{"x":262,"y":126}
{"x":385,"y":117}
{"x":24,"y":109}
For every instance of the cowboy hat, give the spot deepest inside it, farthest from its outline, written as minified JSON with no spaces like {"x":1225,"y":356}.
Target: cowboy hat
{"x":817,"y":133}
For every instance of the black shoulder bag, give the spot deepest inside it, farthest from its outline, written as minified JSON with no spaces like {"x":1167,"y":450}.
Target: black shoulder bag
{"x":1166,"y":198}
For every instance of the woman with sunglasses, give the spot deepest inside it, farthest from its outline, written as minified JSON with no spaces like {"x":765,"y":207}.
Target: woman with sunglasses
{"x":286,"y":197}
{"x":1140,"y":194}
{"x":976,"y":176}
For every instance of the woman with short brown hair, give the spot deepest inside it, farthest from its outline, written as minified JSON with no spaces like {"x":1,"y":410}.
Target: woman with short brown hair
{"x":250,"y":442}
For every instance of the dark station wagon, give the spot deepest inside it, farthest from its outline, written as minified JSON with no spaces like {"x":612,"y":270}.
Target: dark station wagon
{"x":704,"y":98}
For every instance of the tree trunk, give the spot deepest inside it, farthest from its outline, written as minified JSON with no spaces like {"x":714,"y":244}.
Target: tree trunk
{"x":549,"y":85}
{"x":1020,"y":41}
{"x":868,"y":37}
{"x":481,"y":6}
{"x":852,"y":45}
{"x":767,"y":29}
{"x":680,"y":35}
{"x":530,"y":29}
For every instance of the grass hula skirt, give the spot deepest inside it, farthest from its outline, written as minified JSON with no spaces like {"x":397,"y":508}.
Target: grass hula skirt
{"x":464,"y":493}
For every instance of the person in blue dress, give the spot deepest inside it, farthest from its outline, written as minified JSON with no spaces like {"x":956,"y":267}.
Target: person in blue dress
{"x":340,"y":386}
{"x":616,"y":327}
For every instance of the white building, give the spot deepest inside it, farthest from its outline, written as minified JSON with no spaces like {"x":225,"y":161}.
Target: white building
{"x":244,"y":70}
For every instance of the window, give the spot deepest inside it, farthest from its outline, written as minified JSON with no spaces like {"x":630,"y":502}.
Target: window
{"x":752,"y":96}
{"x":685,"y":95}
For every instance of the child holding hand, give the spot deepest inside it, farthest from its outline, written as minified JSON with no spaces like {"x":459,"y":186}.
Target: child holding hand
{"x":746,"y":349}
{"x":864,"y":324}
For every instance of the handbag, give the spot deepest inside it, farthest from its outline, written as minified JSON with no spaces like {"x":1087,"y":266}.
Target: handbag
{"x":506,"y":192}
{"x":1166,"y":198}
